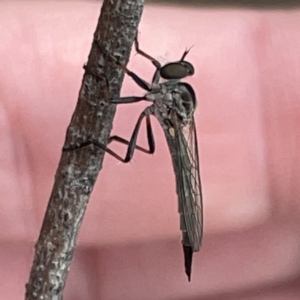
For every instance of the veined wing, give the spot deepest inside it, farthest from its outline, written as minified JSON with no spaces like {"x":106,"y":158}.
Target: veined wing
{"x":184,"y":150}
{"x":189,"y":186}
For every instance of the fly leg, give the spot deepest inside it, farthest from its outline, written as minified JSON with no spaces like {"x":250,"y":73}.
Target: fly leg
{"x":139,"y":81}
{"x":155,"y":62}
{"x":131,"y":144}
{"x":125,"y":100}
{"x":141,"y":52}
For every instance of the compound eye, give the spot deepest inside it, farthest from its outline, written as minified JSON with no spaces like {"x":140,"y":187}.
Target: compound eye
{"x":177,"y":70}
{"x":189,"y":68}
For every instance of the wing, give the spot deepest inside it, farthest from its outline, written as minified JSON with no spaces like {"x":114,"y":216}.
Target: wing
{"x":182,"y":141}
{"x":189,"y":187}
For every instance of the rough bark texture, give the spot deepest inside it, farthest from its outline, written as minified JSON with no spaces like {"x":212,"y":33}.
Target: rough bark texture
{"x":78,"y":169}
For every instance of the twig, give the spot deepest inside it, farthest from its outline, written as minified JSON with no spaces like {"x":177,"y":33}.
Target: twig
{"x":78,"y":170}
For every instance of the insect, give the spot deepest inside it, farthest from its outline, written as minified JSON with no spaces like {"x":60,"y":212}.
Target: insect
{"x":173,"y":104}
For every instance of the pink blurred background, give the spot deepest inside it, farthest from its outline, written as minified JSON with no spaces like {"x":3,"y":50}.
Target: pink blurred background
{"x":247,"y":83}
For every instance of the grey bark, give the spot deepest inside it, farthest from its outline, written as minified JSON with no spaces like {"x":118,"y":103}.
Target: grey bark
{"x":78,"y":169}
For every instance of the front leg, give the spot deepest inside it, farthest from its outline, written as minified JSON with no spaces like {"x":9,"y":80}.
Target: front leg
{"x":122,"y":100}
{"x":139,"y":81}
{"x":155,"y":62}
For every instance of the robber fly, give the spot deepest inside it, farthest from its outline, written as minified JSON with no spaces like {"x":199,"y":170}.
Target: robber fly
{"x":173,"y":104}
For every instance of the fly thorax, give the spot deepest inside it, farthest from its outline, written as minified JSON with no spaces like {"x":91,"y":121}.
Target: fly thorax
{"x":168,"y":99}
{"x":183,"y":103}
{"x":151,"y":97}
{"x":161,"y":98}
{"x":156,"y":88}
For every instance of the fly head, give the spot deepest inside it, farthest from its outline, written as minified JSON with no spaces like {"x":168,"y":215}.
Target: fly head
{"x":177,"y":70}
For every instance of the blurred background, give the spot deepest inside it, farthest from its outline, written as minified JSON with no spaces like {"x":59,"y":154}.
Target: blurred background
{"x":248,"y":4}
{"x":247,"y":59}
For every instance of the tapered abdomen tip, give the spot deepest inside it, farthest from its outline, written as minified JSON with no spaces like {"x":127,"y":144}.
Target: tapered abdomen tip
{"x":188,"y":258}
{"x":189,"y":276}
